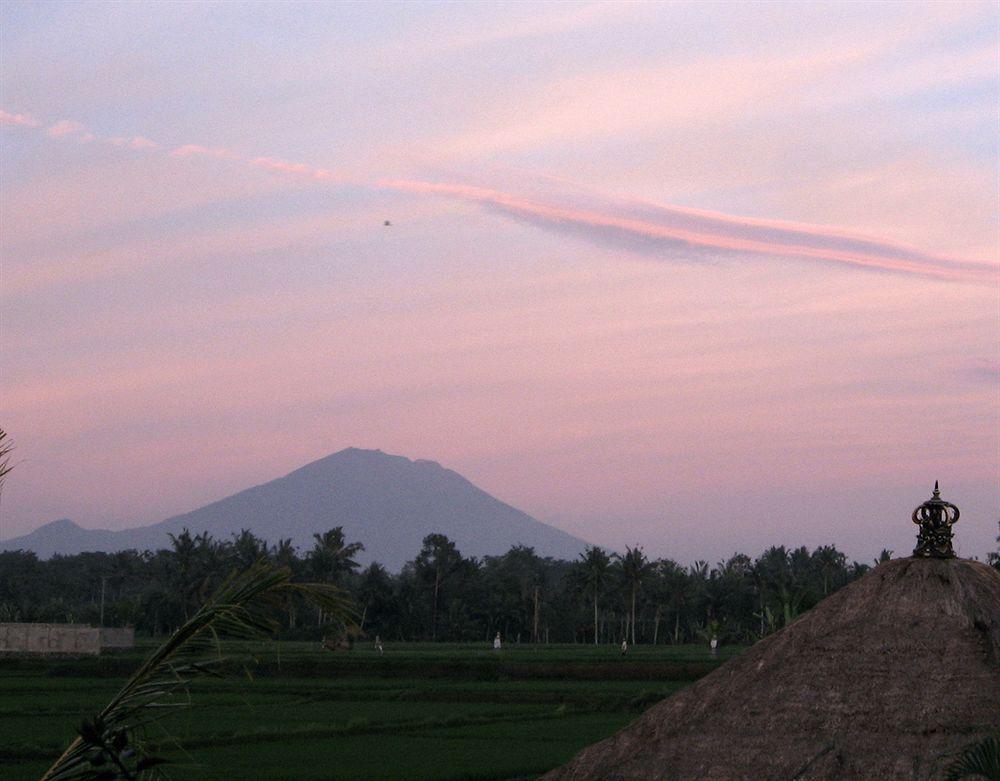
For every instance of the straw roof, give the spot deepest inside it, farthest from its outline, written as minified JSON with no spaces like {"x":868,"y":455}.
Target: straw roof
{"x":887,"y":678}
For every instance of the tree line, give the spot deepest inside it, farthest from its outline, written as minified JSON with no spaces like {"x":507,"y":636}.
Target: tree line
{"x":602,"y":597}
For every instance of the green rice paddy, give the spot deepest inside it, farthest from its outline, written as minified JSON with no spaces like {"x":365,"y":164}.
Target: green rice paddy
{"x":432,"y":712}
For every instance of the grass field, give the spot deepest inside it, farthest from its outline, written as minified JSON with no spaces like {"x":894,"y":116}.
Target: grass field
{"x":420,"y":711}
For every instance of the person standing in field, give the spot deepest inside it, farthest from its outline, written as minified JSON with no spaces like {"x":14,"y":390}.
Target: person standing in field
{"x":496,"y":642}
{"x":378,"y":644}
{"x":714,"y":645}
{"x":624,"y":646}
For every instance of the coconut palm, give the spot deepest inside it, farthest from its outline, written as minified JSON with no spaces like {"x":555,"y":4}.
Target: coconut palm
{"x":6,"y":447}
{"x":332,"y":557}
{"x":978,"y":761}
{"x":677,"y":591}
{"x":635,"y":569}
{"x":283,"y":555}
{"x":331,"y":560}
{"x":437,"y":561}
{"x":247,"y":548}
{"x":591,"y":573}
{"x":111,"y":745}
{"x":830,"y":561}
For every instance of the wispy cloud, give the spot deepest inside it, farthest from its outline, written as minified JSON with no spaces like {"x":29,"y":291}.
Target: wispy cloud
{"x":195,"y":150}
{"x":282,"y":166}
{"x":985,"y":370}
{"x":25,"y":120}
{"x":660,"y":230}
{"x":64,"y":127}
{"x":670,"y":231}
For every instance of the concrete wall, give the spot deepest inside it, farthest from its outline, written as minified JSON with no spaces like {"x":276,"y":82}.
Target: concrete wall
{"x":117,"y":637}
{"x":49,"y":639}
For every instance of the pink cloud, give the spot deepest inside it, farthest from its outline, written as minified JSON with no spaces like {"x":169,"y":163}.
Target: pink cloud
{"x":25,"y":120}
{"x":194,"y":150}
{"x":282,"y":166}
{"x":666,"y":230}
{"x":650,"y":228}
{"x":64,"y":127}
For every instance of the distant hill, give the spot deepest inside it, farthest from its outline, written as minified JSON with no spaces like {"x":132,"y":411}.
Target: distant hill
{"x":389,"y":503}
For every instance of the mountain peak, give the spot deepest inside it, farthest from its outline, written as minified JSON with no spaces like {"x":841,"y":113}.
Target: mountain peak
{"x":387,"y":502}
{"x":62,"y":524}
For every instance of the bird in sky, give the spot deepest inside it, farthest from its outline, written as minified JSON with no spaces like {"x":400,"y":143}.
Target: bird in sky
{"x":387,"y":224}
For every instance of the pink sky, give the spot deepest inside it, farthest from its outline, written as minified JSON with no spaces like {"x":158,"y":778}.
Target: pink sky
{"x":734,"y":291}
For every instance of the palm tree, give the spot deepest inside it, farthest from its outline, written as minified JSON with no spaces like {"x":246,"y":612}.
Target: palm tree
{"x":185,"y":564}
{"x":283,"y":555}
{"x":247,"y":548}
{"x":374,"y":591}
{"x":978,"y":761}
{"x":111,"y":745}
{"x":5,"y":450}
{"x":830,"y":561}
{"x":332,"y":559}
{"x":591,"y":573}
{"x":437,"y":560}
{"x":635,"y":570}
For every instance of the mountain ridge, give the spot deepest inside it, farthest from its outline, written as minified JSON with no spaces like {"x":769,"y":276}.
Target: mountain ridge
{"x":388,"y":502}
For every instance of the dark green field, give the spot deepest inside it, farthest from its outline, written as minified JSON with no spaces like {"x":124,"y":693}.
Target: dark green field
{"x":418,"y":712}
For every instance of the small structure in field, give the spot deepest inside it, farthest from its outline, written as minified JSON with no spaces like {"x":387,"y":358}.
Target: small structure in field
{"x":890,"y":677}
{"x":63,"y":639}
{"x":344,"y":641}
{"x":46,"y":639}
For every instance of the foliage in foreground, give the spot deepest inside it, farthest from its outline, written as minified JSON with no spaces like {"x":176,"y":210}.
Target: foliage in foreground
{"x":978,"y":761}
{"x":112,"y":744}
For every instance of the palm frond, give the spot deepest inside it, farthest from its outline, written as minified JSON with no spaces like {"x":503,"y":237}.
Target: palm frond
{"x":6,"y":448}
{"x":112,"y":744}
{"x":978,"y":761}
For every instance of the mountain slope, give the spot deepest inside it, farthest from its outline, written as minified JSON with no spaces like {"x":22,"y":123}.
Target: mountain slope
{"x":387,"y":502}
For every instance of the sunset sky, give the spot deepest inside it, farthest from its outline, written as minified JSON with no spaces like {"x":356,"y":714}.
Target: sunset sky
{"x":702,"y":278}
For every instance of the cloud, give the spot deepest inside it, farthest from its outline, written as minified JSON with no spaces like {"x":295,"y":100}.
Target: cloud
{"x":985,"y":370}
{"x":282,"y":166}
{"x":136,"y":142}
{"x":659,"y":230}
{"x":64,"y":127}
{"x":25,"y":120}
{"x":666,"y":231}
{"x":194,"y":150}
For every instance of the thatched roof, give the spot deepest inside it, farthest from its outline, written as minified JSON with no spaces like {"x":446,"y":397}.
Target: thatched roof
{"x":886,"y":679}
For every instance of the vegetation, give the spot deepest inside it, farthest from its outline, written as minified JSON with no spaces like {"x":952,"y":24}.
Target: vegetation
{"x":979,"y":761}
{"x":6,"y":448}
{"x":440,"y":594}
{"x":419,"y":711}
{"x":112,"y":744}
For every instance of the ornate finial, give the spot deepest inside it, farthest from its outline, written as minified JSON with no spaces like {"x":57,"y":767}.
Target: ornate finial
{"x":935,"y":518}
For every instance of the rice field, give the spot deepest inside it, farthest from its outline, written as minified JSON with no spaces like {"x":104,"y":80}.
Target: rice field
{"x":420,"y":711}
